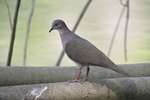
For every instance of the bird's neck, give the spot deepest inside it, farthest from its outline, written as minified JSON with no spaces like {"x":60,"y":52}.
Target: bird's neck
{"x":66,"y":35}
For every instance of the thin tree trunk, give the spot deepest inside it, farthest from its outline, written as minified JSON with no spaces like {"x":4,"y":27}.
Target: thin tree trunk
{"x":126,"y":29}
{"x":13,"y":34}
{"x":27,"y":34}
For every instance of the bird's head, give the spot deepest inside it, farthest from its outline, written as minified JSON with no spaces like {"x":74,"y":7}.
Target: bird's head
{"x":57,"y":25}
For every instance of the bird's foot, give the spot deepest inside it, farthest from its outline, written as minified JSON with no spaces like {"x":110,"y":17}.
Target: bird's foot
{"x":72,"y":81}
{"x":86,"y":79}
{"x":80,"y":80}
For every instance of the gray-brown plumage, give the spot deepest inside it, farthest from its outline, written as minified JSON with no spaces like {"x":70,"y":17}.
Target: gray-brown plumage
{"x":82,"y":52}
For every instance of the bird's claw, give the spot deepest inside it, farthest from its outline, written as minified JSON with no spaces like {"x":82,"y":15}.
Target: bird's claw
{"x":86,"y":79}
{"x":80,"y":80}
{"x":72,"y":81}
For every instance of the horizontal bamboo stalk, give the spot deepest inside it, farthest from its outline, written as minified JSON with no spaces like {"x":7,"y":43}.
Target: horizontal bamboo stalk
{"x":35,"y":75}
{"x":104,"y":89}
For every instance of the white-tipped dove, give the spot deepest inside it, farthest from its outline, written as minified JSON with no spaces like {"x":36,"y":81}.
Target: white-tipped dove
{"x":82,"y":52}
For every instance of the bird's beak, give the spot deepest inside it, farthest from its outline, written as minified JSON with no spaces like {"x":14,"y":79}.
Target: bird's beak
{"x":50,"y":29}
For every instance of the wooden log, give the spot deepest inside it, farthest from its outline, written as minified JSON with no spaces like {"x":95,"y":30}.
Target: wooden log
{"x":104,"y":89}
{"x":35,"y":75}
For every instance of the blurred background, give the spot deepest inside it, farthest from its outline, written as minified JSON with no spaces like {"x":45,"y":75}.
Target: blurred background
{"x":97,"y":26}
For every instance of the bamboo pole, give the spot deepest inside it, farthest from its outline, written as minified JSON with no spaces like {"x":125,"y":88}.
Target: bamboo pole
{"x":35,"y":75}
{"x":104,"y":89}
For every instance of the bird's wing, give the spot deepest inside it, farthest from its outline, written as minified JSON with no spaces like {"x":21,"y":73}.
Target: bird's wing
{"x":82,"y":51}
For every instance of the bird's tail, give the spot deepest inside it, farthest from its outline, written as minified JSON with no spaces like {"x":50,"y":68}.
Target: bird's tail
{"x":119,"y":70}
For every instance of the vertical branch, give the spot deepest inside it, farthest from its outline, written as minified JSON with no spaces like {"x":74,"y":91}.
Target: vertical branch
{"x":27,"y":34}
{"x":113,"y":38}
{"x":13,"y":33}
{"x":125,"y":34}
{"x":122,"y":3}
{"x":75,"y":27}
{"x":9,"y":14}
{"x":81,"y":15}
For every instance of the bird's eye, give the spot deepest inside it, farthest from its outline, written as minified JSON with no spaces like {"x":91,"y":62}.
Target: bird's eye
{"x":56,"y":24}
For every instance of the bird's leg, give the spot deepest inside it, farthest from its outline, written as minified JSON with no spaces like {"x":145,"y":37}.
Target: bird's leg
{"x":88,"y":69}
{"x":87,"y":73}
{"x":76,"y":79}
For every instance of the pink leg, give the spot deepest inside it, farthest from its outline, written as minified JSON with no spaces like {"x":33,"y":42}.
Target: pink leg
{"x":88,"y":69}
{"x":86,"y":79}
{"x":76,"y":80}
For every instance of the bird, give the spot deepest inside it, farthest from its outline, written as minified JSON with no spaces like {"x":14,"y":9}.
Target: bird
{"x":82,"y":52}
